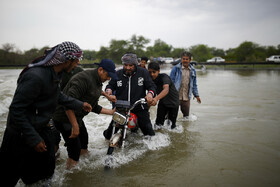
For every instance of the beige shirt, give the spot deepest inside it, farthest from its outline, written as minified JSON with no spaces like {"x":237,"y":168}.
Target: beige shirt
{"x":184,"y":87}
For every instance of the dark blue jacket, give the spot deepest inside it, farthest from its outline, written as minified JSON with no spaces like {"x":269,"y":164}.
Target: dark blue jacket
{"x":132,"y":88}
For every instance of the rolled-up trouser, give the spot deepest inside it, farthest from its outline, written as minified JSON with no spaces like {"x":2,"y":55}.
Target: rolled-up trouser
{"x":185,"y":107}
{"x":73,"y":145}
{"x":18,"y":160}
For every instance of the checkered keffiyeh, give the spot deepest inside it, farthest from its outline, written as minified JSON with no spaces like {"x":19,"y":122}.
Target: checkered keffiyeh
{"x":65,"y":51}
{"x":70,"y":50}
{"x":57,"y":55}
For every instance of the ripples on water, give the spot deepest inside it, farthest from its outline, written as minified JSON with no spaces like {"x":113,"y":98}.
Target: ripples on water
{"x":231,"y":139}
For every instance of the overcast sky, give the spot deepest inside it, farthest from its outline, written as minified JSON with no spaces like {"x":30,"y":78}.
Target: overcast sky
{"x":180,"y":23}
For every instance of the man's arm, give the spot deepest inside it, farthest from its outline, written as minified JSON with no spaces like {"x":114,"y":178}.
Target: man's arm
{"x":73,"y":120}
{"x":161,"y":95}
{"x":173,"y":74}
{"x":150,"y":87}
{"x":107,"y":111}
{"x":109,"y":96}
{"x":195,"y":90}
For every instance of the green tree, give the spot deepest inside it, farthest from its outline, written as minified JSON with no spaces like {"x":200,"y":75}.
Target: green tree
{"x":102,"y":53}
{"x":31,"y":54}
{"x":230,"y":55}
{"x":271,"y":50}
{"x":89,"y":55}
{"x":245,"y":51}
{"x":160,"y":49}
{"x":217,"y":52}
{"x":201,"y":52}
{"x":137,"y":44}
{"x":176,"y":52}
{"x":118,"y":48}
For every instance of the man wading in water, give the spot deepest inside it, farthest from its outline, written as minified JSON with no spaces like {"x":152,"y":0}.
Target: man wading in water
{"x":27,"y":149}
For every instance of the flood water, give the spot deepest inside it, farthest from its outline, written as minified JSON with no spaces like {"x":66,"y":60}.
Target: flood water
{"x":231,"y":139}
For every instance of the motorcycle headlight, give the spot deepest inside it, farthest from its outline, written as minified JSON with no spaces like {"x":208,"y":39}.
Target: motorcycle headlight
{"x":119,"y":118}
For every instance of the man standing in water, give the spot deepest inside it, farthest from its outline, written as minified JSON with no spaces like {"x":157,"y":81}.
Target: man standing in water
{"x":184,"y":77}
{"x":27,"y":149}
{"x":85,"y":86}
{"x":133,"y":83}
{"x":167,"y":96}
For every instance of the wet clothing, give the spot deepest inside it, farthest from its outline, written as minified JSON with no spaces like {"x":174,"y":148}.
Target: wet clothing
{"x":65,"y":77}
{"x":185,"y":85}
{"x":176,"y":77}
{"x":172,"y":98}
{"x":185,"y":107}
{"x":73,"y":145}
{"x":85,"y":86}
{"x":170,"y":103}
{"x":164,"y":112}
{"x":34,"y":103}
{"x":132,"y":88}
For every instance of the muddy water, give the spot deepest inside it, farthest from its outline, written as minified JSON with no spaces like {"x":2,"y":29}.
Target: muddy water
{"x":231,"y":139}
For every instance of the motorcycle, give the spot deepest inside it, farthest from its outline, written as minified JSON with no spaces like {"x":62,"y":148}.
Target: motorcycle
{"x":124,"y":120}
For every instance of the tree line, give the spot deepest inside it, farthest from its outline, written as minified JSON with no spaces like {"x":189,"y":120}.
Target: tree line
{"x":247,"y":51}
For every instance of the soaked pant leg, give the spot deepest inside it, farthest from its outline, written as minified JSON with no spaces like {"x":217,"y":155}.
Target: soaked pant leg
{"x":83,"y":136}
{"x":185,"y":107}
{"x":10,"y":158}
{"x":161,"y":113}
{"x":144,"y":122}
{"x":172,"y":115}
{"x":73,"y":145}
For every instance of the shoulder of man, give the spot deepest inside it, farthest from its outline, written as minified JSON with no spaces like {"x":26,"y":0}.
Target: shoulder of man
{"x":38,"y":72}
{"x":165,"y":78}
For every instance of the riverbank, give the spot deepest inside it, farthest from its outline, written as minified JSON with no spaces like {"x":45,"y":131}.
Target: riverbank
{"x":240,"y":66}
{"x":200,"y":65}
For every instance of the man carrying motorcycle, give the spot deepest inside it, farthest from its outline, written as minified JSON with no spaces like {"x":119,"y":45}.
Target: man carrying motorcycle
{"x":132,"y":84}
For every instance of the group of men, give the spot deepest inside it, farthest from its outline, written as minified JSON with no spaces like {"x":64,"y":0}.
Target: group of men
{"x":40,"y":108}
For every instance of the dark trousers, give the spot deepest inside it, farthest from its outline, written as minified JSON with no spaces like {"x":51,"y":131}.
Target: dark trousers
{"x":144,"y":124}
{"x":185,"y":107}
{"x":18,"y":160}
{"x":162,"y":111}
{"x":73,"y":145}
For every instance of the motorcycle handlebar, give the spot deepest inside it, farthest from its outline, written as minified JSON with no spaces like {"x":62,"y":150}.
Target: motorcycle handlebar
{"x":140,"y":101}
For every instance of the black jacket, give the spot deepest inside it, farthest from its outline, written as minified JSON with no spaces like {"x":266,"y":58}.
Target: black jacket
{"x":34,"y":102}
{"x":132,"y":88}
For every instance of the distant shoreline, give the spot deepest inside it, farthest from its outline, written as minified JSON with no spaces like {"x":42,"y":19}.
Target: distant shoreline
{"x":218,"y":66}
